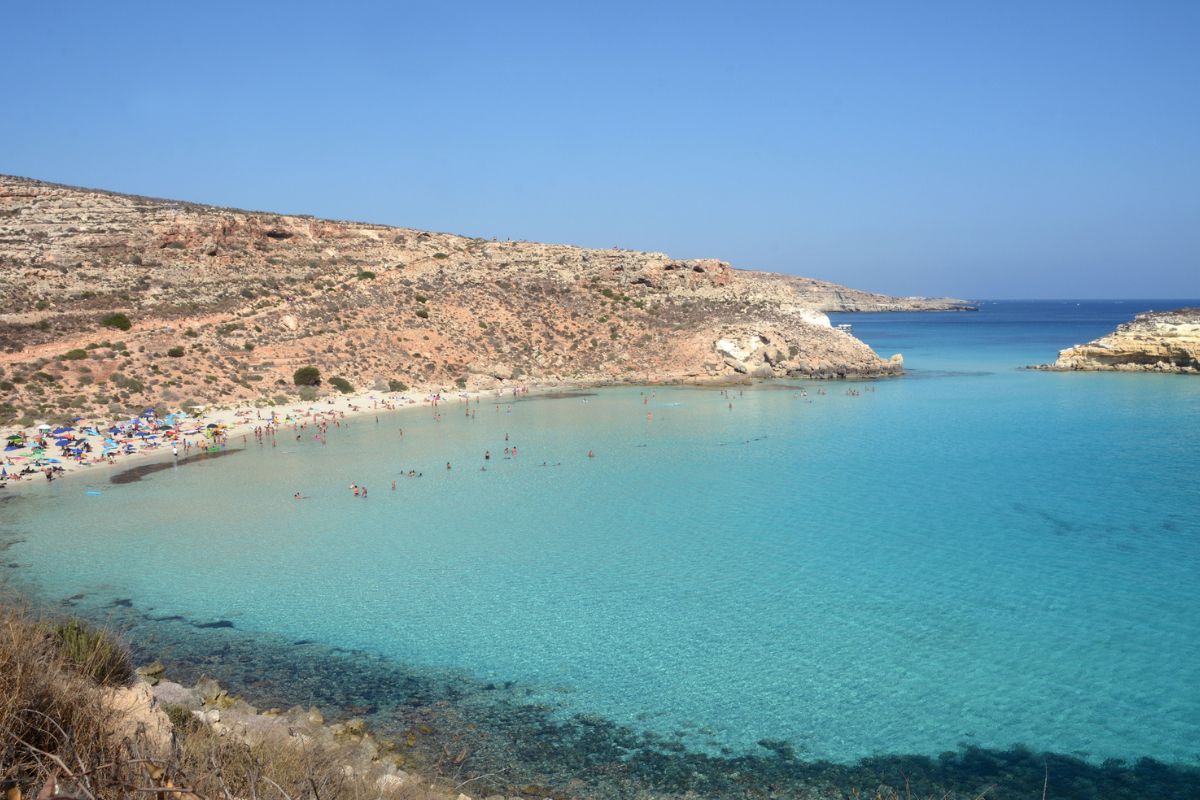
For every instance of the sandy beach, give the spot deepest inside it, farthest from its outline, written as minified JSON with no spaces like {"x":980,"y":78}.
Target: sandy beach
{"x":235,"y":424}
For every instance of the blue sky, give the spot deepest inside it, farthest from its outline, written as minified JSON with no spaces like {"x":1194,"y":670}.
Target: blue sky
{"x":1000,"y":149}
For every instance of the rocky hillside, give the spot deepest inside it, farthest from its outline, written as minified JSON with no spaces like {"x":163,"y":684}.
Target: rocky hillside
{"x":112,"y":301}
{"x":1157,"y":341}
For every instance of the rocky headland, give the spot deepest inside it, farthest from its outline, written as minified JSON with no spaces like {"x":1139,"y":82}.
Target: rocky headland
{"x":113,"y":302}
{"x":1156,"y":341}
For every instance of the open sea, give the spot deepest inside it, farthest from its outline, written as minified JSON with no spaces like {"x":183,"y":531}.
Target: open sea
{"x":972,"y":576}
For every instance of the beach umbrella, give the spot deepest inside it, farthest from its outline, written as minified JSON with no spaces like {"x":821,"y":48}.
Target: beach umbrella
{"x":62,"y":442}
{"x":53,"y":461}
{"x":63,"y":429}
{"x":43,"y":427}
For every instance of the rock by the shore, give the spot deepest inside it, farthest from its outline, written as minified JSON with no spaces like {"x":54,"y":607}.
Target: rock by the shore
{"x":1156,"y":341}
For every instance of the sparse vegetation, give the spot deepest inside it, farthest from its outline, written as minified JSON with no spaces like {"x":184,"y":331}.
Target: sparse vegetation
{"x":75,"y":355}
{"x":175,"y":352}
{"x":341,"y":384}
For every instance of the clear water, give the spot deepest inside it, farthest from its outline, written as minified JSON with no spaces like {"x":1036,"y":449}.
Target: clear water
{"x":971,"y":554}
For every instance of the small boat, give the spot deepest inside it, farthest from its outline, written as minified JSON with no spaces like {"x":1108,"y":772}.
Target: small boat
{"x":845,"y":327}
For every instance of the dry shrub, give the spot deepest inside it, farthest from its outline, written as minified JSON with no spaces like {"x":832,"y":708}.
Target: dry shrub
{"x":54,"y":723}
{"x":51,"y":712}
{"x":278,"y":766}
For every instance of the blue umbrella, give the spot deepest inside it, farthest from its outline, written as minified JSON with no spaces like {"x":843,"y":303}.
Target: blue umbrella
{"x":62,"y":442}
{"x":53,"y":461}
{"x":63,"y":429}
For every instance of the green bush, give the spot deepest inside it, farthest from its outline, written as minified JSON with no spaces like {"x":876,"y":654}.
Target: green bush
{"x":423,"y":313}
{"x":397,"y":386}
{"x":365,"y":275}
{"x":94,"y":652}
{"x":440,"y":256}
{"x":420,"y":298}
{"x":118,"y":321}
{"x":248,"y":346}
{"x":181,"y":717}
{"x":75,"y":355}
{"x":175,"y":352}
{"x":342,"y":385}
{"x":307,"y":376}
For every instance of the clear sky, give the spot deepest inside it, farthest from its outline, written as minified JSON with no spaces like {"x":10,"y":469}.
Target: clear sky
{"x":977,"y":149}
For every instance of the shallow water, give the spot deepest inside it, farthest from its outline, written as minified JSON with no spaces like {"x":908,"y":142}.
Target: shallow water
{"x":971,"y":555}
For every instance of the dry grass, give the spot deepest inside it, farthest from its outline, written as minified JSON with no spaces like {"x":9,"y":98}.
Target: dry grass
{"x":57,"y":734}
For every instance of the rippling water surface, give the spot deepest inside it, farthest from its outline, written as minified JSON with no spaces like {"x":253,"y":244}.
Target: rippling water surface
{"x":970,"y":555}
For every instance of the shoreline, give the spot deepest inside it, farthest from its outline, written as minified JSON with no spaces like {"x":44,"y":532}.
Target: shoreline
{"x":429,"y":723}
{"x":241,"y":419}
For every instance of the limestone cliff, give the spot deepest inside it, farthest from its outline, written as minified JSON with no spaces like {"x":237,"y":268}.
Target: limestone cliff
{"x":223,"y":305}
{"x":1157,"y":341}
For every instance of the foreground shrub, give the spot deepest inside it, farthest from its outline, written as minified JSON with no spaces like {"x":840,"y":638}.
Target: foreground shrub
{"x":95,"y":653}
{"x":175,"y":352}
{"x":60,"y":736}
{"x":342,"y":385}
{"x":77,"y":354}
{"x":397,"y":386}
{"x":49,"y":706}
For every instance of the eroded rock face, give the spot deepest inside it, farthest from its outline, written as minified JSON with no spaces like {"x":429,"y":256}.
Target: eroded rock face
{"x":225,"y":305}
{"x":1157,"y":341}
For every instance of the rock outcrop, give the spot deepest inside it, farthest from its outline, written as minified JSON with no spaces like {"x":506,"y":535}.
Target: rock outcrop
{"x":224,"y":305}
{"x":1157,"y":341}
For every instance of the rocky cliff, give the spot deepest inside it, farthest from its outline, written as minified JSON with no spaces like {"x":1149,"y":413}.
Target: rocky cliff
{"x":224,"y":305}
{"x":1157,"y":341}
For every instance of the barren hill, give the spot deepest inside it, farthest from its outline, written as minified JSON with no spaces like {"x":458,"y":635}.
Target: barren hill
{"x":224,"y":305}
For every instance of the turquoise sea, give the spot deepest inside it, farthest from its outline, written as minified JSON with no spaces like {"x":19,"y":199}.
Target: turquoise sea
{"x":967,"y":576}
